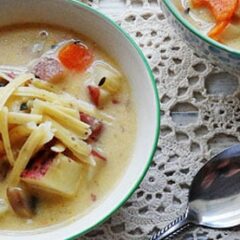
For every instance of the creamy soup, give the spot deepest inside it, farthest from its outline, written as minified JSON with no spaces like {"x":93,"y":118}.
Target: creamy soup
{"x":71,"y":126}
{"x":220,"y":19}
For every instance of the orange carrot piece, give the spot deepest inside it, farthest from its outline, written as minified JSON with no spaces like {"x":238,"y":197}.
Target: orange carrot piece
{"x":218,"y":29}
{"x":199,"y":3}
{"x":76,"y":57}
{"x":222,"y":10}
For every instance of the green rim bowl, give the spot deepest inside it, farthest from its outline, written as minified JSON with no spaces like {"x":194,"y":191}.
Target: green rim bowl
{"x":217,"y":53}
{"x":120,"y":46}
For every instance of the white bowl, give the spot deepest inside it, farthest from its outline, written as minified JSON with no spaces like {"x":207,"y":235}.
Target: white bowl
{"x":112,"y":39}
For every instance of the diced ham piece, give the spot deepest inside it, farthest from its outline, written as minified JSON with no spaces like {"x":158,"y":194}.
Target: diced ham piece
{"x":115,"y":101}
{"x":11,"y":75}
{"x":94,"y":93}
{"x":48,"y":69}
{"x":38,"y":167}
{"x":99,"y":155}
{"x":93,"y":197}
{"x":95,"y":125}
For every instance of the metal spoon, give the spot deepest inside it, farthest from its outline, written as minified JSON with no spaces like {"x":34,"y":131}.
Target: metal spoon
{"x":214,"y":197}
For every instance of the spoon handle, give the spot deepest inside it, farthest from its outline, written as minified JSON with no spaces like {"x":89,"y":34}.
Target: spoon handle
{"x":173,"y":228}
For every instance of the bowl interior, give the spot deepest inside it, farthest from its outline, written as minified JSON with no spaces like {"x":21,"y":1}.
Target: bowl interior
{"x":79,"y":17}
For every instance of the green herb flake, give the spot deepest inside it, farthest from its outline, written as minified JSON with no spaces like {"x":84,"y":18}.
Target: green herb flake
{"x":102,"y":81}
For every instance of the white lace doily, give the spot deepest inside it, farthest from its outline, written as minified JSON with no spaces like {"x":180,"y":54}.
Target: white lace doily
{"x":200,"y":116}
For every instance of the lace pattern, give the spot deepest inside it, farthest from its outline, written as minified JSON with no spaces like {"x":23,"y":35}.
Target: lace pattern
{"x":200,"y":116}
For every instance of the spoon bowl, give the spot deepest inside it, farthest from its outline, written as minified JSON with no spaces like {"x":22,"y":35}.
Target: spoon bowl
{"x":214,"y":196}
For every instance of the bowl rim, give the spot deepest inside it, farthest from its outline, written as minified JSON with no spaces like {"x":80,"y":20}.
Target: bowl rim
{"x":157,"y":110}
{"x":176,"y":13}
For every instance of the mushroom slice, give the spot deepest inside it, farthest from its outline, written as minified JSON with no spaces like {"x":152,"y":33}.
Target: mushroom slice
{"x":21,"y":202}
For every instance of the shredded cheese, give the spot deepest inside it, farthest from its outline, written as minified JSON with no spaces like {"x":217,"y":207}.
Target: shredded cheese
{"x":7,"y":91}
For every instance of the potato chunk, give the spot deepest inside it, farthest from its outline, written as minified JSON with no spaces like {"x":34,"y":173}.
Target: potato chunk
{"x":60,"y":175}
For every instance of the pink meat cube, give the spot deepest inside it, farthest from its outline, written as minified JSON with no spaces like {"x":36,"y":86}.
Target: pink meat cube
{"x":48,"y":69}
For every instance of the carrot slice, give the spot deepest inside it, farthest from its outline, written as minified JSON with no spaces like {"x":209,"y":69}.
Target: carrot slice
{"x":76,"y":57}
{"x":218,"y":29}
{"x":199,"y":3}
{"x":222,"y":10}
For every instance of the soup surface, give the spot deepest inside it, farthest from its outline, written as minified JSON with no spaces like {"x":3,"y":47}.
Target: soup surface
{"x":221,"y":24}
{"x":112,"y":113}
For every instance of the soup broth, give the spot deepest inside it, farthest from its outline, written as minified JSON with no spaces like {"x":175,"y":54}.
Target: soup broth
{"x":20,"y":45}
